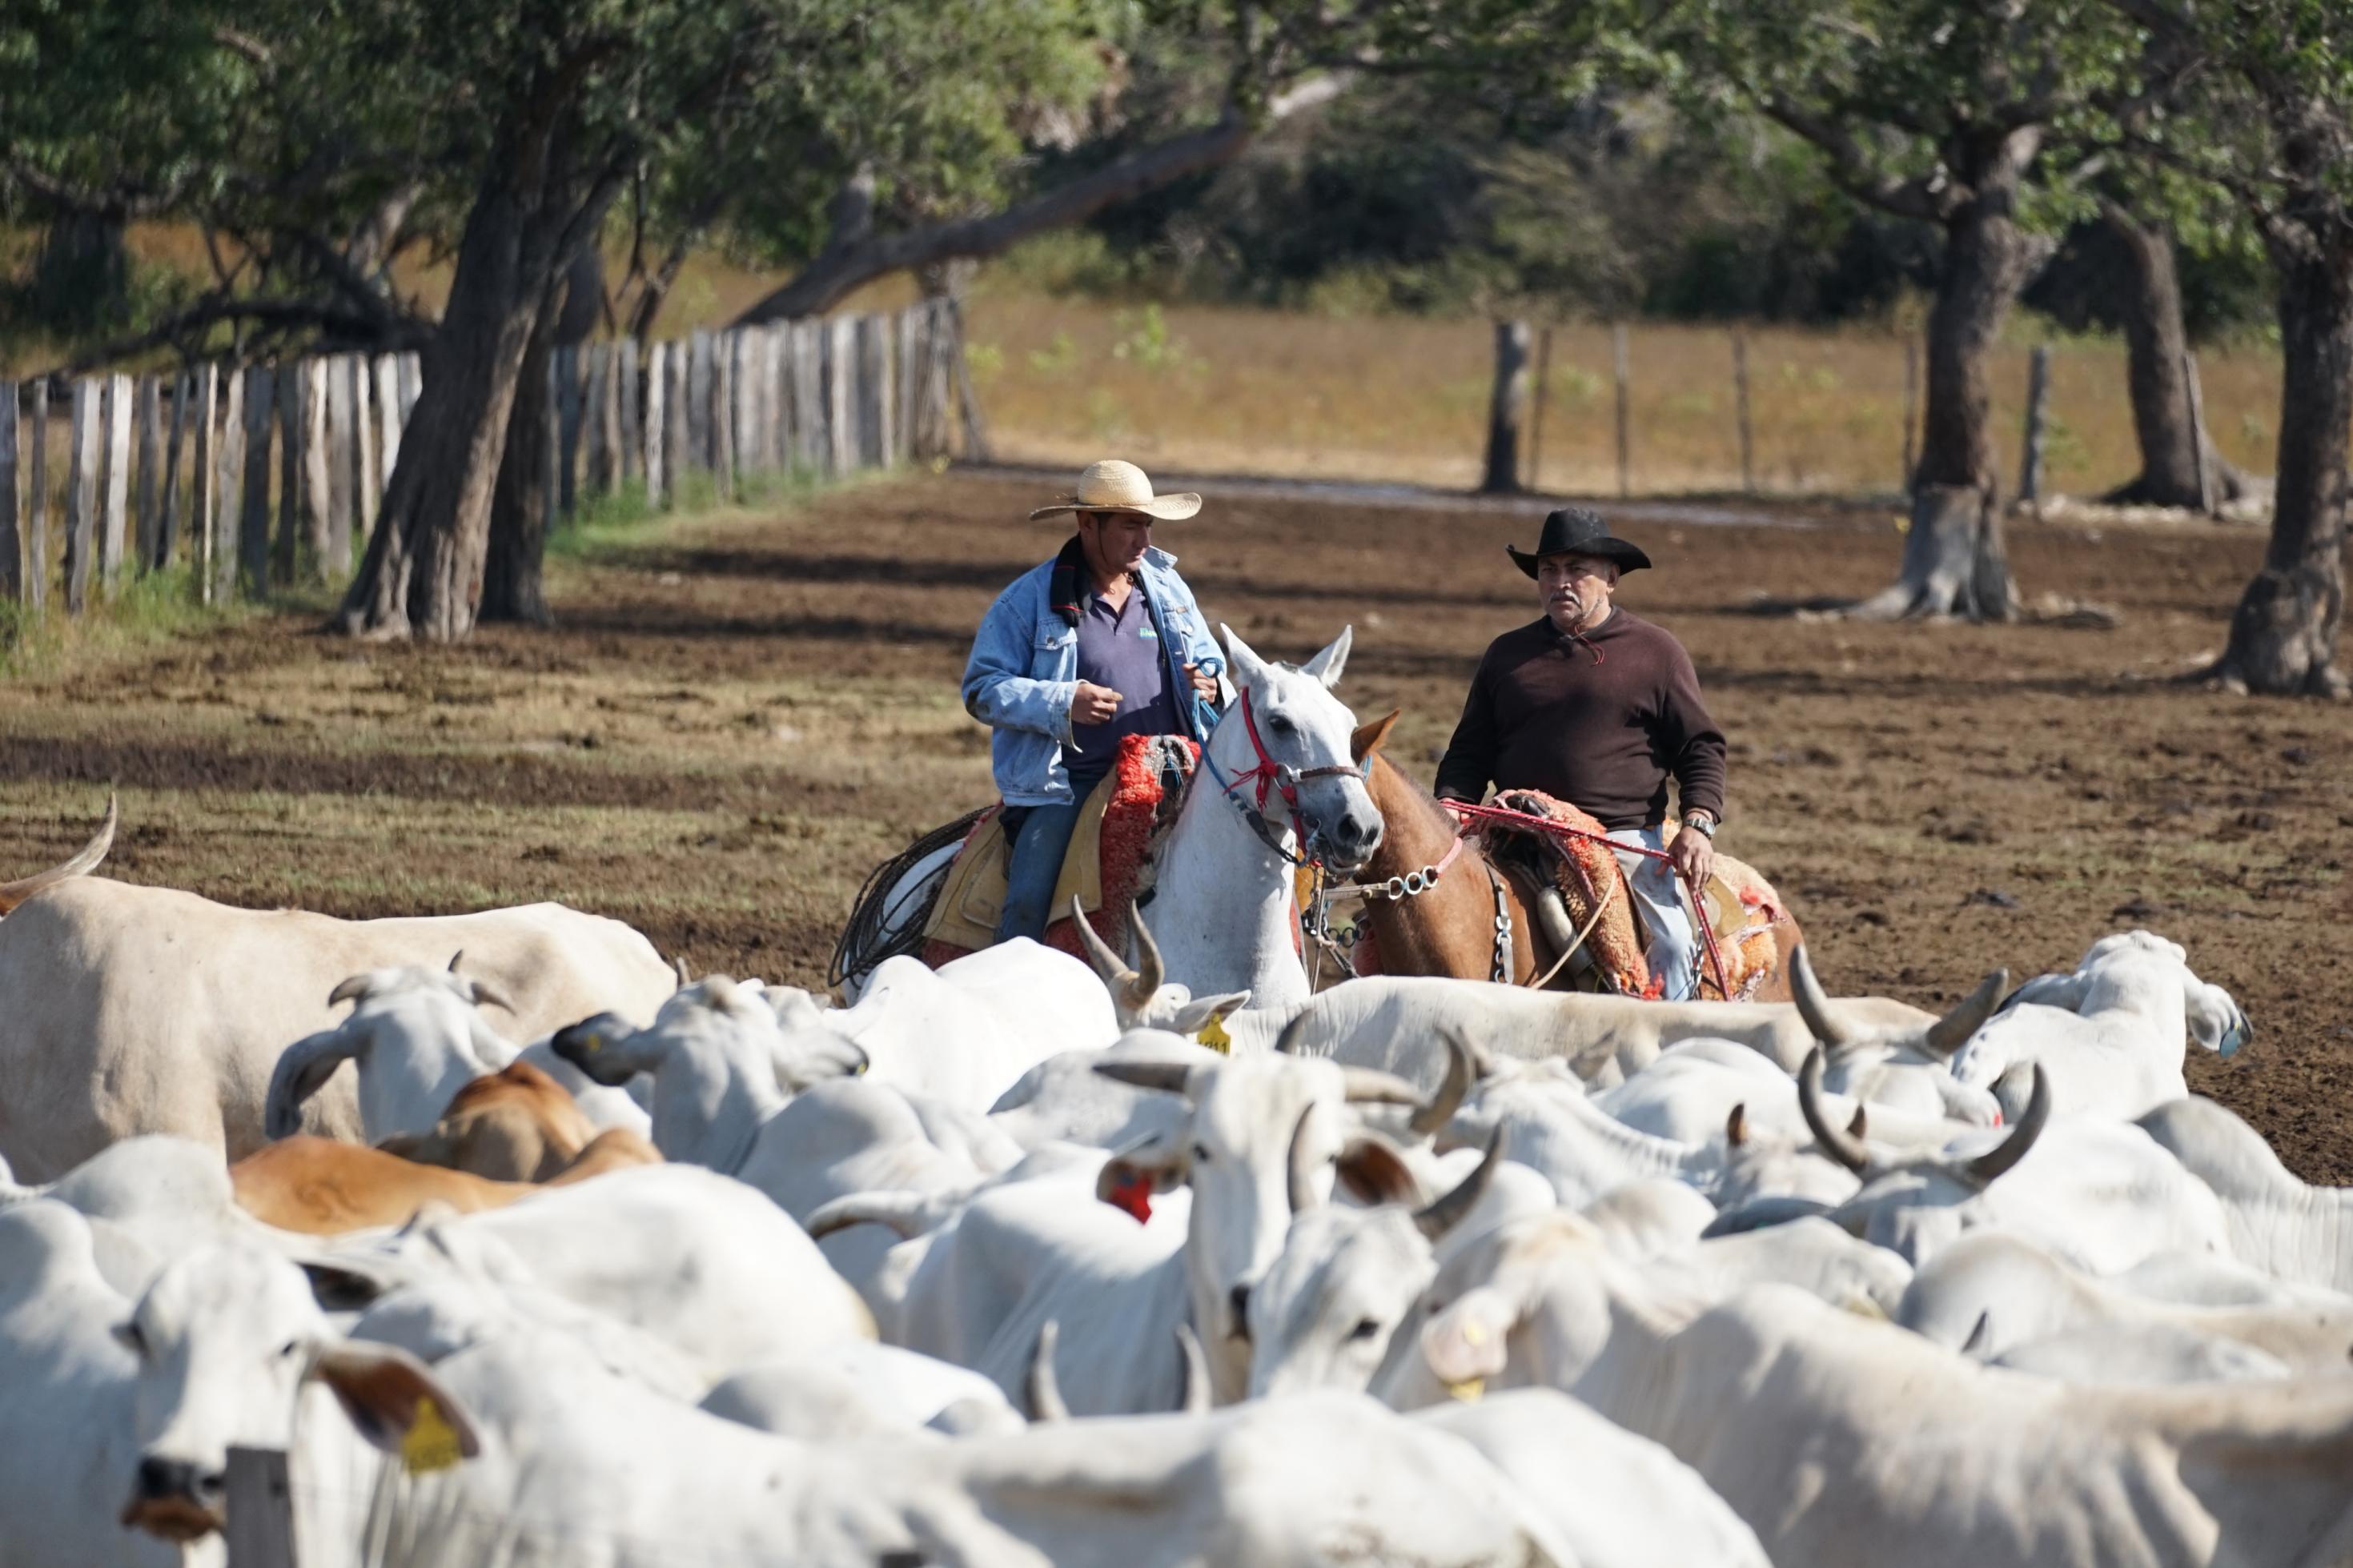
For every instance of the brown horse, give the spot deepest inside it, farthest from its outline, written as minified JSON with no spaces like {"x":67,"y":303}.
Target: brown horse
{"x":1449,"y":927}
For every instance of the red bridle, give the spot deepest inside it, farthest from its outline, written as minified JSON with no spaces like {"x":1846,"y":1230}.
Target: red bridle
{"x":1280,"y":779}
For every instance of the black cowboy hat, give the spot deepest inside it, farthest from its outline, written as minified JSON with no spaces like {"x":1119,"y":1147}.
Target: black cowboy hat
{"x":1579,"y":530}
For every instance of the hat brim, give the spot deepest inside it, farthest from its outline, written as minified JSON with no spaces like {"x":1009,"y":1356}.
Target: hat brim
{"x":1624,"y":556}
{"x":1160,"y":508}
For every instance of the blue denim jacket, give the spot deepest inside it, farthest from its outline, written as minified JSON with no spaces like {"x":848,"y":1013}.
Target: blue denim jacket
{"x":1024,"y":672}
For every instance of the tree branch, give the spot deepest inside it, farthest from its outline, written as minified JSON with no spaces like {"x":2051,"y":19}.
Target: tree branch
{"x":1852,"y":170}
{"x":396,"y":334}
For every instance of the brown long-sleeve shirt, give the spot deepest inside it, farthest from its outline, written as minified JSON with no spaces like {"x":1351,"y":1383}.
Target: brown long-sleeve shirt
{"x":1600,"y":721}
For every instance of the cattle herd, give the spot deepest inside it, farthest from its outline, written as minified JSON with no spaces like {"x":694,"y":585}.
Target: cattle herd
{"x":580,"y":1260}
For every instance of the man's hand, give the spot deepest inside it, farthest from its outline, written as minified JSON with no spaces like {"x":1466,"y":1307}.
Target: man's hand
{"x":1093,"y":704}
{"x":1693,"y":854}
{"x":1206,"y":686}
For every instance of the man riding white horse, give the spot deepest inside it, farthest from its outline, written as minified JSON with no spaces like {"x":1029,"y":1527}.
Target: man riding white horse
{"x":1596,"y":707}
{"x":1102,"y":642}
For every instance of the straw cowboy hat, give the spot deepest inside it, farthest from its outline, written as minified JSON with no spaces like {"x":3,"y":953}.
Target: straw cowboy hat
{"x":1576,"y":530}
{"x":1113,"y":485}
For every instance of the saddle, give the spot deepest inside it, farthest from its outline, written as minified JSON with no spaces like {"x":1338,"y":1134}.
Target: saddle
{"x":1109,"y":865}
{"x":1740,"y":906}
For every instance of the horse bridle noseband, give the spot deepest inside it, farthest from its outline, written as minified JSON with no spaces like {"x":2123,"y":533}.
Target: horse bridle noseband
{"x":1280,"y":779}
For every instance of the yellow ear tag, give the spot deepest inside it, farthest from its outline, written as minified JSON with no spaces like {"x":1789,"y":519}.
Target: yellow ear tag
{"x":430,"y":1443}
{"x":1213,"y":1035}
{"x":1474,"y":1334}
{"x":1468,"y":1390}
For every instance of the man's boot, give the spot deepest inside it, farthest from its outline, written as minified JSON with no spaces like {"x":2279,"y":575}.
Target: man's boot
{"x":1552,"y":918}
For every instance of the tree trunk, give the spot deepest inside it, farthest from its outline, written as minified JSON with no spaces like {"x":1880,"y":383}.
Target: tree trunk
{"x":1954,"y":560}
{"x":81,"y":279}
{"x":511,"y":578}
{"x":1506,"y":409}
{"x":424,"y":572}
{"x":2157,"y":348}
{"x":2284,"y":634}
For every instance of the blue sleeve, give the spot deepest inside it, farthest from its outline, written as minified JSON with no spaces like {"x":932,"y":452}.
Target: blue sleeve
{"x":999,"y":689}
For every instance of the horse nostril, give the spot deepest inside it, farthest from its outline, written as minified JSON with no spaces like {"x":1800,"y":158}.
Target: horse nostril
{"x":160,"y":1479}
{"x":1240,"y":1299}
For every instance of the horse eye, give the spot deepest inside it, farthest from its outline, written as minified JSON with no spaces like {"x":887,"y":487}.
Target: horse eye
{"x":1365,"y":1330}
{"x":1201,"y":1154}
{"x":290,"y":1348}
{"x":1282,"y":726}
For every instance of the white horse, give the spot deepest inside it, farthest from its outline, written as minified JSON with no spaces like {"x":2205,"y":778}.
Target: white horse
{"x":1277,"y":786}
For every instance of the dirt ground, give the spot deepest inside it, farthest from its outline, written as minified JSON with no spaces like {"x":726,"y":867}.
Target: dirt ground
{"x":736,"y":719}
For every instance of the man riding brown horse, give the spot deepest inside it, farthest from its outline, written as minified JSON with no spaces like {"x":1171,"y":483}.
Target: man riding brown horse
{"x":1594,"y":706}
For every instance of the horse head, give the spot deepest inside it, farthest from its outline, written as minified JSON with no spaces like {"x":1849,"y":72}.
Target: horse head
{"x":1293,"y":746}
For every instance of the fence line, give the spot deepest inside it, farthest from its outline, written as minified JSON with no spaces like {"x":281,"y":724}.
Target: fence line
{"x":308,"y":445}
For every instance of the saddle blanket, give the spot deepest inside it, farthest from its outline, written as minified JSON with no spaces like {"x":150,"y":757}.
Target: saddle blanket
{"x":1107,"y":866}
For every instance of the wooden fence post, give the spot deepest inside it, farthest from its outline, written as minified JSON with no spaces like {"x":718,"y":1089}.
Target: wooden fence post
{"x":698,"y":400}
{"x":808,"y":394}
{"x":1507,"y":404}
{"x":12,"y":579}
{"x":1625,"y":410}
{"x":81,"y":494}
{"x":36,"y":502}
{"x":751,"y":430}
{"x":167,"y":522}
{"x":2203,"y":470}
{"x":261,"y":1507}
{"x":632,"y":413}
{"x":599,"y":458}
{"x":228,"y":497}
{"x":340,"y":424}
{"x":253,"y":521}
{"x":721,"y":414}
{"x":656,"y":426}
{"x":678,"y":440}
{"x":203,"y":493}
{"x":151,"y":444}
{"x":2038,"y":393}
{"x":412,"y":385}
{"x":391,"y":414}
{"x":1740,"y":410}
{"x":841,"y":408}
{"x":115,"y":468}
{"x":318,"y":468}
{"x":288,"y":384}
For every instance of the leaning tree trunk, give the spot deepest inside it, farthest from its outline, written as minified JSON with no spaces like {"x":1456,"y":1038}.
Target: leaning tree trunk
{"x":2157,"y":348}
{"x":511,"y":577}
{"x":424,"y":572}
{"x":1954,"y":561}
{"x":2284,"y":634}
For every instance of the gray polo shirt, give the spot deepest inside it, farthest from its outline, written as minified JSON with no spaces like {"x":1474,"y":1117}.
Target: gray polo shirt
{"x":1119,"y":648}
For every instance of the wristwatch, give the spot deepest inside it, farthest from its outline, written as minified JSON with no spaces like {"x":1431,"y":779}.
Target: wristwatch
{"x":1700,"y":822}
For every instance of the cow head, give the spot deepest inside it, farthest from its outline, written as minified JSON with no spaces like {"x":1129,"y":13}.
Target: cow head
{"x":1144,"y":997}
{"x":414,"y":1033}
{"x":1331,"y":1304}
{"x":1269,"y":1138}
{"x":1302,"y":727}
{"x":1908,"y":1069}
{"x":226,"y":1341}
{"x":720,"y":1065}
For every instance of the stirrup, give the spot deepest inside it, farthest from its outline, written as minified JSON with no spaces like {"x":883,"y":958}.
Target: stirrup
{"x":1552,"y":918}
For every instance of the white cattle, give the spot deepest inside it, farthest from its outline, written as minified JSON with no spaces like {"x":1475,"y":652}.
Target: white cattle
{"x":66,"y":1441}
{"x":855,"y":1388}
{"x":1552,"y":1128}
{"x":2286,"y":1227}
{"x":1689,"y":1093}
{"x":1907,"y":1067}
{"x":2112,"y":1035}
{"x":532,"y":1452}
{"x":1848,"y":1442}
{"x":2101,"y":1195}
{"x":699,"y":1262}
{"x":1992,"y":1291}
{"x":1394,"y":1022}
{"x":2146,"y":1355}
{"x":139,"y":1009}
{"x":415,"y":1038}
{"x":1143,"y":997}
{"x":147,"y":1201}
{"x":1064,"y":1099}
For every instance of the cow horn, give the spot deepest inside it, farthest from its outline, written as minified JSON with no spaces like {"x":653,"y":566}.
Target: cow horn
{"x":1153,"y":972}
{"x":1045,"y":1393}
{"x":1196,"y":1372}
{"x":1979,"y":1333}
{"x":356,"y":988}
{"x":1168,"y":1078}
{"x":1858,"y":1126}
{"x":904,"y":1212}
{"x":1814,"y":1006}
{"x":1295,"y":1033}
{"x":455,"y":959}
{"x":1109,"y":965}
{"x":1440,"y":1107}
{"x":1441,"y":1214}
{"x":1998,"y":1159}
{"x":1735,"y":1126}
{"x":486,"y":994}
{"x":1951,"y":1032}
{"x":678,"y":963}
{"x":1834,"y":1141}
{"x":85,"y":861}
{"x":1370,"y":1086}
{"x":1300,"y":1169}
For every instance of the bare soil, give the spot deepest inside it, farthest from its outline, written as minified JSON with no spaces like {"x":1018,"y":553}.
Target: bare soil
{"x":739,"y":716}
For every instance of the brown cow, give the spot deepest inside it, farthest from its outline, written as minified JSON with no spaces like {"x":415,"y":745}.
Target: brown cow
{"x":516,"y":1125}
{"x":320,"y":1187}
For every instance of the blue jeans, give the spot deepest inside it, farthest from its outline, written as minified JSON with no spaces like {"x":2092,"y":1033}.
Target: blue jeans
{"x":1040,"y":836}
{"x":1659,"y":890}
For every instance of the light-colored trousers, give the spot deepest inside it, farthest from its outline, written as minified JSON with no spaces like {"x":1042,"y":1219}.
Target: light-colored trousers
{"x":1659,"y":892}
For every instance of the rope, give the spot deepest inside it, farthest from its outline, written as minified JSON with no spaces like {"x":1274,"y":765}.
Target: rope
{"x":862,"y":946}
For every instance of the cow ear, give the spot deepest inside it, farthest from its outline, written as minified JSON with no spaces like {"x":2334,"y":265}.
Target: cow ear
{"x":1373,"y":1172}
{"x":815,"y":1057}
{"x":1202,"y":1011}
{"x":604,"y":1048}
{"x":339,"y":1287}
{"x":393,"y":1399}
{"x":1166,"y":1162}
{"x":1465,"y":1344}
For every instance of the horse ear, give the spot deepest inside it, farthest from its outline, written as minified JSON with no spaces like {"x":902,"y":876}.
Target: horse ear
{"x":1325,"y":666}
{"x":1371,"y":735}
{"x":1249,"y":669}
